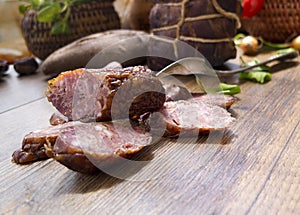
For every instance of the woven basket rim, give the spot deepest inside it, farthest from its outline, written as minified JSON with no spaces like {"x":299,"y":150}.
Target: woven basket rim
{"x":108,"y":2}
{"x":91,"y":18}
{"x":278,"y":21}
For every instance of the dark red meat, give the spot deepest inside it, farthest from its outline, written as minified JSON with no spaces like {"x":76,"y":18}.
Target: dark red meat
{"x":57,"y":119}
{"x":175,"y":93}
{"x":33,"y":145}
{"x":194,"y":117}
{"x":88,"y":147}
{"x":105,"y":94}
{"x":225,"y":101}
{"x":81,"y":146}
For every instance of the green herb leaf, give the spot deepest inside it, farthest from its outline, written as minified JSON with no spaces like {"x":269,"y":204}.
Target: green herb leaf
{"x":259,"y":74}
{"x":274,"y":45}
{"x":23,"y":8}
{"x":61,"y":27}
{"x":256,"y":76}
{"x":284,"y":51}
{"x":49,"y":13}
{"x":37,"y":4}
{"x":229,"y":89}
{"x":259,"y":68}
{"x":237,"y":38}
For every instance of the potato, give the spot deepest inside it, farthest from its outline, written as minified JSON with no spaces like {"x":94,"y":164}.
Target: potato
{"x":97,"y":50}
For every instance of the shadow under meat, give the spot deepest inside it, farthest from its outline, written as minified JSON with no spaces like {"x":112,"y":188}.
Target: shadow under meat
{"x":233,"y":113}
{"x":74,"y":182}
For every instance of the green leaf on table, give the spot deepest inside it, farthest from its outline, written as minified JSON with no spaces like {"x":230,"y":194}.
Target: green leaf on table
{"x":274,"y":45}
{"x":61,"y":27}
{"x":229,"y":89}
{"x":284,"y":51}
{"x":256,"y":76}
{"x":49,"y":13}
{"x":259,"y":68}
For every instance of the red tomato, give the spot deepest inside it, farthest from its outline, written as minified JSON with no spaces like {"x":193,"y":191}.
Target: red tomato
{"x":251,"y":7}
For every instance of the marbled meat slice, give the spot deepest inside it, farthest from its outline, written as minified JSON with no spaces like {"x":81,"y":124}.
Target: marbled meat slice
{"x":103,"y":94}
{"x":225,"y":101}
{"x":58,"y":119}
{"x":33,"y":145}
{"x":194,"y":117}
{"x":87,"y":148}
{"x":79,"y":146}
{"x":175,"y":93}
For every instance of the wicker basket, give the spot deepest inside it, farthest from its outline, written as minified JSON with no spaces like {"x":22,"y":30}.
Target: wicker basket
{"x":85,"y":19}
{"x":278,"y":21}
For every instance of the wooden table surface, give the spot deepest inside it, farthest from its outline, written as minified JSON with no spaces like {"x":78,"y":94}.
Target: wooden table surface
{"x":253,"y":168}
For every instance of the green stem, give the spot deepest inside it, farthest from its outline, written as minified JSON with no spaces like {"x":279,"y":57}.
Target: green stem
{"x":275,"y":45}
{"x":67,"y":15}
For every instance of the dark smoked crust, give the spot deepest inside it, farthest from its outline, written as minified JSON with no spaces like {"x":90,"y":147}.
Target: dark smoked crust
{"x":77,"y":162}
{"x":164,"y":15}
{"x":33,"y":145}
{"x":138,"y":86}
{"x":138,"y":91}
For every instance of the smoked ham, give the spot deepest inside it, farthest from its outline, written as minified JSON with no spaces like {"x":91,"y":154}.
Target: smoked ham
{"x":76,"y":145}
{"x":88,"y":95}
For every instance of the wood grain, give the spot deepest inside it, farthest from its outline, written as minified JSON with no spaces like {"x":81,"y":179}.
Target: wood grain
{"x":16,"y":90}
{"x":252,"y":168}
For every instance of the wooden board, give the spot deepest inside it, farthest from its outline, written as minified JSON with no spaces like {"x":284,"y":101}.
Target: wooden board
{"x":16,"y":90}
{"x":254,"y":167}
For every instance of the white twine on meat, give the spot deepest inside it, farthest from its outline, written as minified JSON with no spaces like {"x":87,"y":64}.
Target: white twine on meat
{"x":221,"y":13}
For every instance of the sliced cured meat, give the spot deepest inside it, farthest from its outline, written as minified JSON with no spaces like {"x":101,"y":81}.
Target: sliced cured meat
{"x":58,"y":119}
{"x":105,"y":94}
{"x":33,"y":144}
{"x":225,"y":101}
{"x":175,"y":93}
{"x":79,"y":146}
{"x":194,"y":117}
{"x":98,"y":144}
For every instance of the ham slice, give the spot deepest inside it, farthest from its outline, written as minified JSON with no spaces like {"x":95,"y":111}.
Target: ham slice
{"x":76,"y":145}
{"x":100,"y":95}
{"x":91,"y":95}
{"x":194,"y":116}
